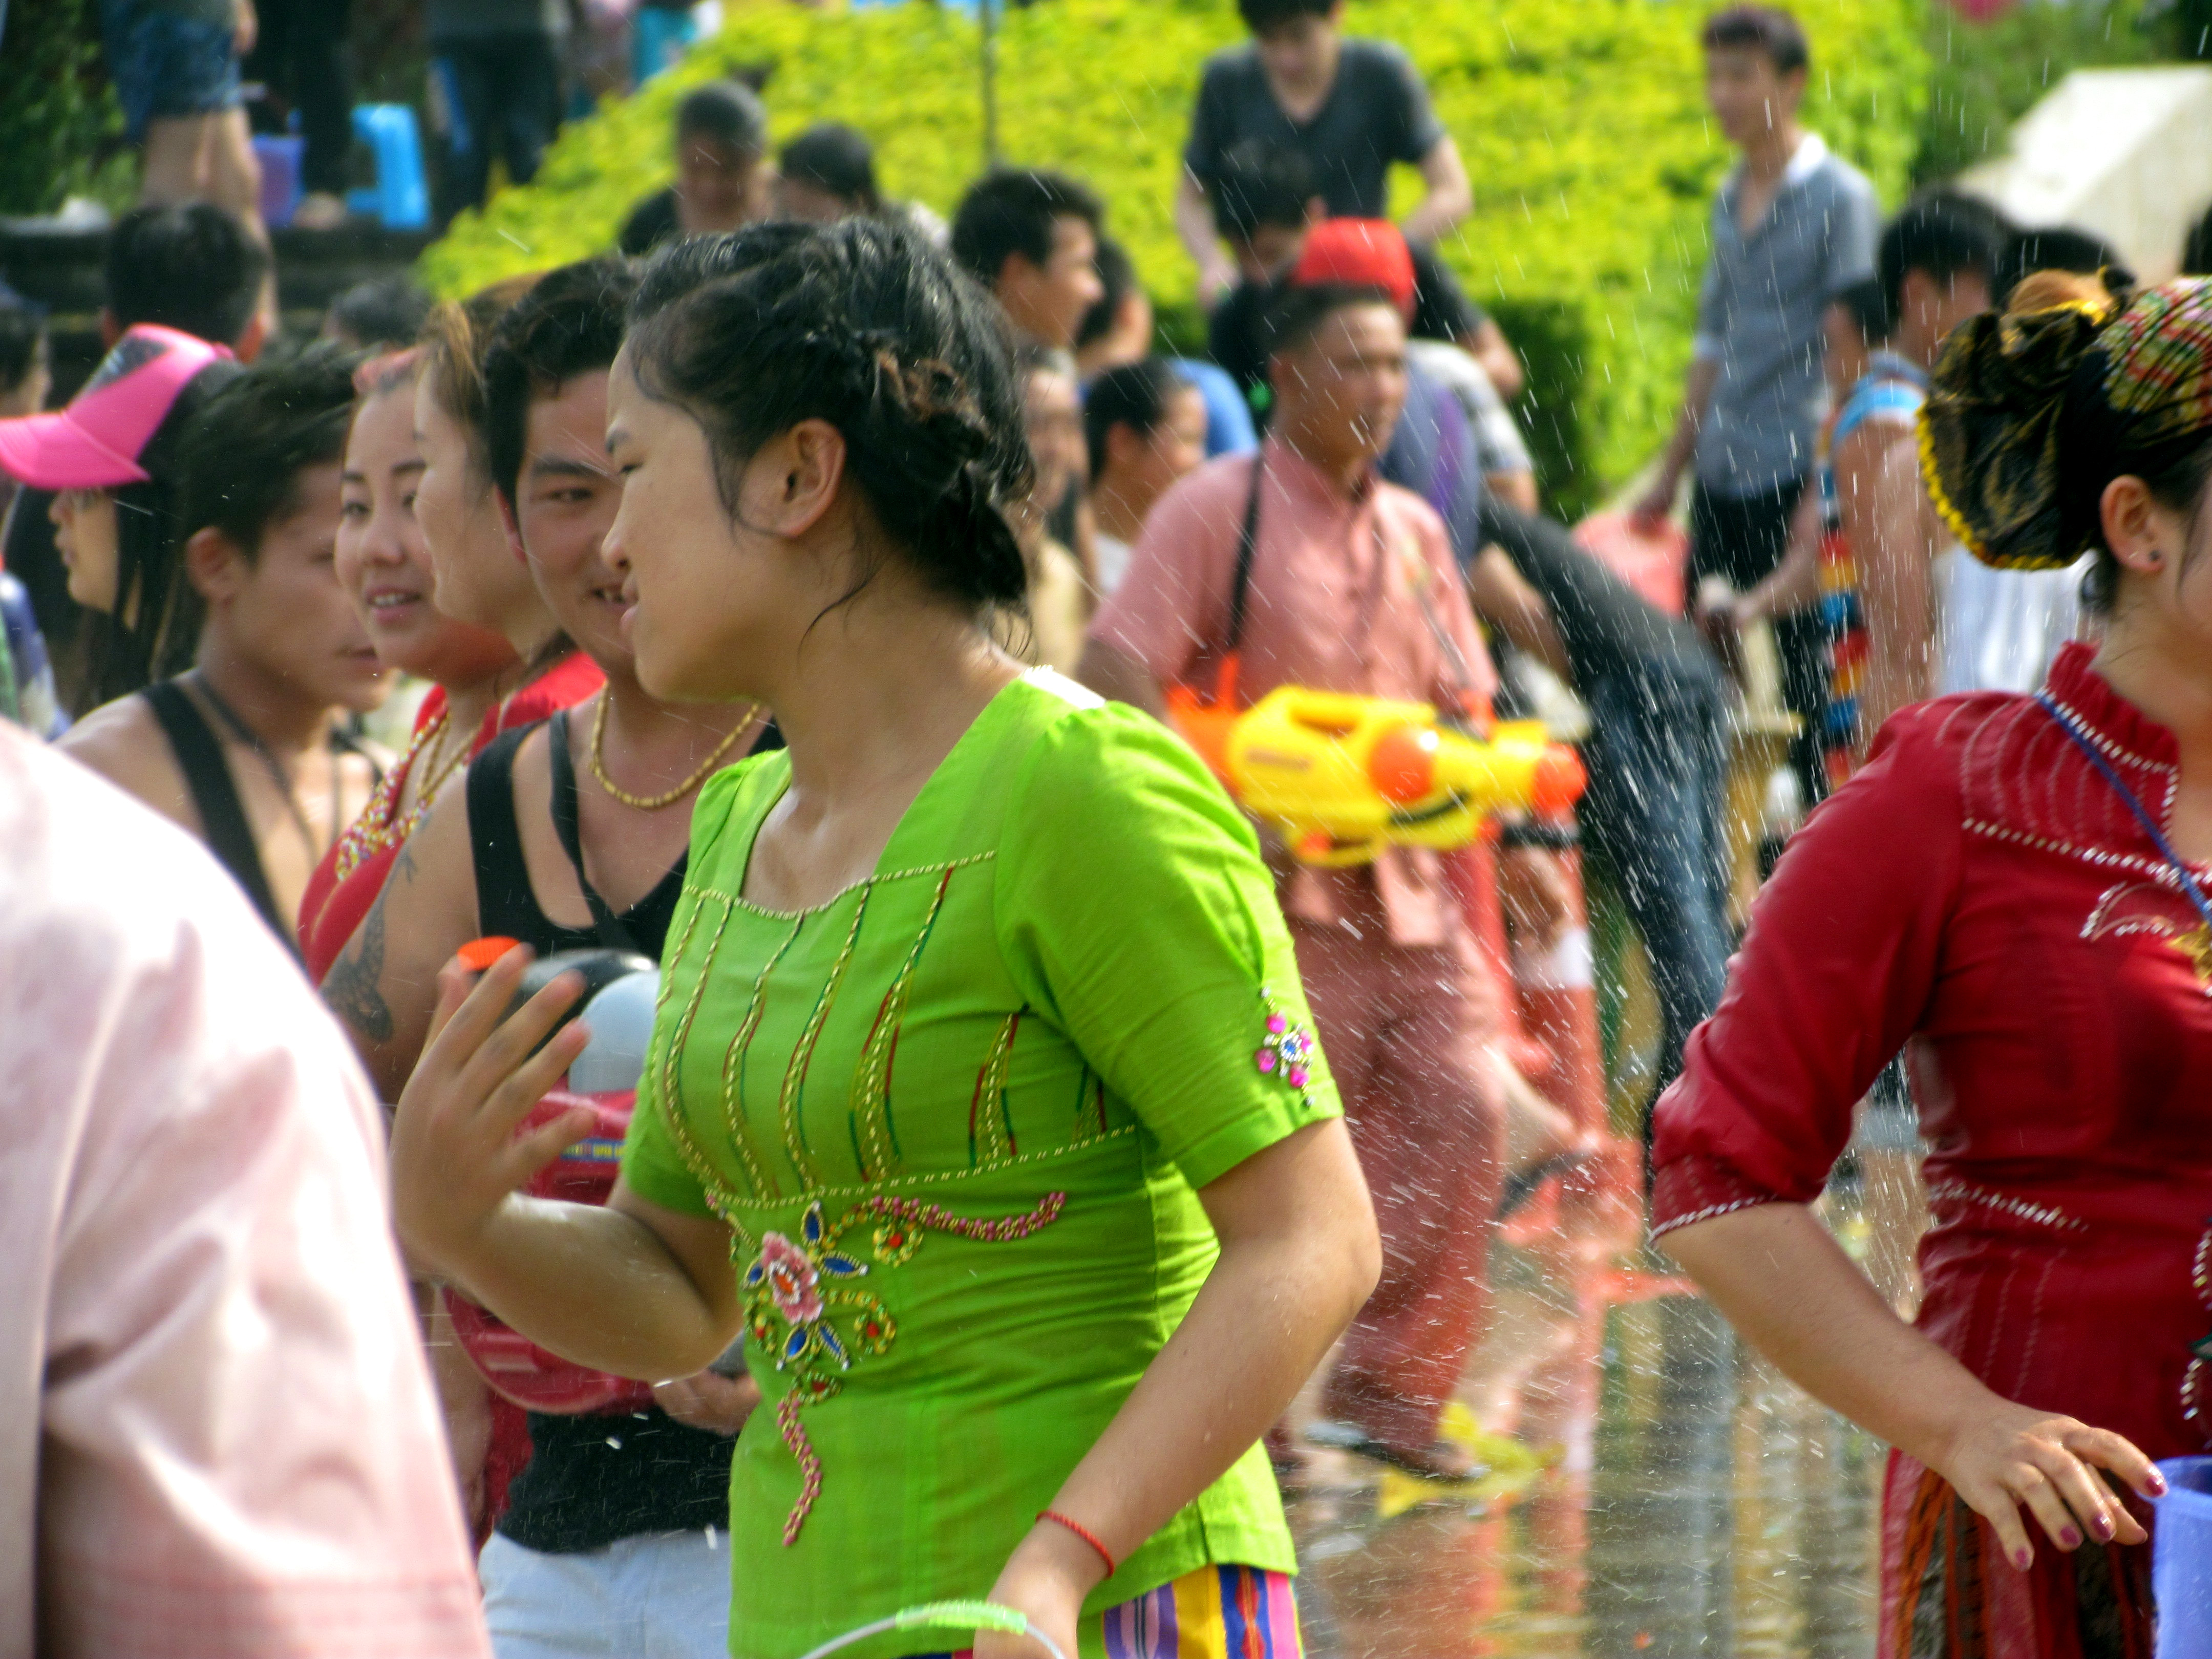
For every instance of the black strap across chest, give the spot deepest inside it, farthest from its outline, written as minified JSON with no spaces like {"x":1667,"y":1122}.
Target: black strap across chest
{"x":223,"y":823}
{"x":614,"y":932}
{"x":506,"y":904}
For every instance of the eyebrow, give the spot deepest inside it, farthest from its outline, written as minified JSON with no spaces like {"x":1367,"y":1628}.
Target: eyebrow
{"x":558,"y":466}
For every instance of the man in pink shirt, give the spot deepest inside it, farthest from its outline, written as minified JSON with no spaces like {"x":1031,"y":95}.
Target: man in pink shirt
{"x":217,"y":1435}
{"x":1349,"y":586}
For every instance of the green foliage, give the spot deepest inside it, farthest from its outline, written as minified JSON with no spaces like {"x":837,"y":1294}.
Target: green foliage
{"x":57,"y":116}
{"x":1987,"y":75}
{"x":1583,"y":126}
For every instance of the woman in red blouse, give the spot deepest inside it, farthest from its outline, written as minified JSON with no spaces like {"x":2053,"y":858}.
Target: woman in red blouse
{"x":480,"y":686}
{"x":2012,"y":892}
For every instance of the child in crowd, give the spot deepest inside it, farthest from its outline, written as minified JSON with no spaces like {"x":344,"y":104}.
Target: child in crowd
{"x":1144,"y":426}
{"x":1351,"y":106}
{"x":1266,"y":202}
{"x":246,"y":747}
{"x":1118,"y":331}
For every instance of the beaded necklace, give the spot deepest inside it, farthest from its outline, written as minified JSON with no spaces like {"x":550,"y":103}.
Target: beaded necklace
{"x":377,"y":828}
{"x":2197,"y":943}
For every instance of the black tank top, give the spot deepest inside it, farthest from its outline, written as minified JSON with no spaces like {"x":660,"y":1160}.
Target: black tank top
{"x":223,"y":824}
{"x":591,"y":1481}
{"x":506,"y":907}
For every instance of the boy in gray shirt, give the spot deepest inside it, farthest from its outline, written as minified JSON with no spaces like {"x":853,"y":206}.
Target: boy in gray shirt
{"x":1793,"y":226}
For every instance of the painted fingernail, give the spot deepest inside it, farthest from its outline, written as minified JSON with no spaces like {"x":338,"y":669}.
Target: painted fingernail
{"x":2023,"y":1559}
{"x":2068,"y":1538}
{"x":2157,"y":1483}
{"x":2102,"y":1526}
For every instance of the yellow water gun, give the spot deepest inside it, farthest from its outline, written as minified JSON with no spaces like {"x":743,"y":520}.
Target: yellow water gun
{"x":1340,"y":777}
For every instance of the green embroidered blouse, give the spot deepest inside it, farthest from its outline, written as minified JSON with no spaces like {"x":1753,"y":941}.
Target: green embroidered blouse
{"x":955,"y":1118}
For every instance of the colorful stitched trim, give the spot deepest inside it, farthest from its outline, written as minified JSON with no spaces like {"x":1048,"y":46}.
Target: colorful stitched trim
{"x":1286,"y":1051}
{"x":378,"y":825}
{"x":794,"y":1289}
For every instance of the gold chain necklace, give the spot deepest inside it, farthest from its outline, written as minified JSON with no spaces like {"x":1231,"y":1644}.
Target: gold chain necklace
{"x":654,"y":802}
{"x":427,"y":793}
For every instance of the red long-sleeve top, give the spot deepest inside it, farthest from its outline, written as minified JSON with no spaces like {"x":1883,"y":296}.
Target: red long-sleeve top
{"x":1980,"y":896}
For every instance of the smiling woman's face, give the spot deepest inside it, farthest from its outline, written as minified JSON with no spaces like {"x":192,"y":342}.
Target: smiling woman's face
{"x":85,"y":534}
{"x":382,"y":563}
{"x":698,"y":585}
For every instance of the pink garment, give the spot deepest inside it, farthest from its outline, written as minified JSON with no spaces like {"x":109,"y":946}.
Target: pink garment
{"x":217,"y":1434}
{"x":1343,"y":589}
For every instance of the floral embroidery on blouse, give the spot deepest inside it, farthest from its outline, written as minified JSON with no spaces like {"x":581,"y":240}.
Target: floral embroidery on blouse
{"x":796,"y":1289}
{"x":1286,"y":1050}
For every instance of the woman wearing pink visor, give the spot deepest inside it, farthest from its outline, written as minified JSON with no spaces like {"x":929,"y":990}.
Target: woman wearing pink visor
{"x":111,"y":459}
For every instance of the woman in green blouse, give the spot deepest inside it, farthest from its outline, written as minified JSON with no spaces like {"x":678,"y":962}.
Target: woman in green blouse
{"x":981,"y":1100}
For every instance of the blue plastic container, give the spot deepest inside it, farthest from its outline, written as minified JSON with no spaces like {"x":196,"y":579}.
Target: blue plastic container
{"x":2181,"y":1559}
{"x":400,"y":199}
{"x":280,"y":158}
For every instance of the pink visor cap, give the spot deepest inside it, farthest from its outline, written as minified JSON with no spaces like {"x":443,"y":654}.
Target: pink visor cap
{"x":96,"y":441}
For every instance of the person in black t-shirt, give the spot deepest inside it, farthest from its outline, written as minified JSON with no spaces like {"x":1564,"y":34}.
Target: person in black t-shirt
{"x":1351,"y":106}
{"x":723,"y":180}
{"x":1264,"y":203}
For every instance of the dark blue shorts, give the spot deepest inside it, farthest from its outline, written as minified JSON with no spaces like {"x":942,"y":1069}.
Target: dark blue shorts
{"x":165,"y":67}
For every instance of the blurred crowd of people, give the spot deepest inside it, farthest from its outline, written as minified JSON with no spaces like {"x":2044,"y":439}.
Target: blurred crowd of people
{"x":228,"y":550}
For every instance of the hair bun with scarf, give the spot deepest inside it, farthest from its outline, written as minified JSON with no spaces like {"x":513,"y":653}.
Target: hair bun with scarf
{"x":2032,"y":413}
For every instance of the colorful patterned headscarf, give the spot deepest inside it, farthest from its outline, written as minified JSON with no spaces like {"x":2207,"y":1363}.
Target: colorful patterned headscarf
{"x":2029,"y":415}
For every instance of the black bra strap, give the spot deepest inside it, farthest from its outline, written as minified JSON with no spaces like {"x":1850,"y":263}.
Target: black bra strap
{"x":215,"y":796}
{"x":613,"y":932}
{"x":1248,"y":544}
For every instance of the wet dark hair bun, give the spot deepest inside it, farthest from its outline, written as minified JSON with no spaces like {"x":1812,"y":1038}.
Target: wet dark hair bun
{"x":869,"y":326}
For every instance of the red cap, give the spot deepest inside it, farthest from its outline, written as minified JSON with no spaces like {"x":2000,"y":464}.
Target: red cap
{"x":1357,"y":254}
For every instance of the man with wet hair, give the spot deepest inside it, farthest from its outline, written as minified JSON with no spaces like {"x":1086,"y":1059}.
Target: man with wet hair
{"x":1351,"y":586}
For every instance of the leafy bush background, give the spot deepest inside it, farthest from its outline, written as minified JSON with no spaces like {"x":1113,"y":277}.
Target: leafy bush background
{"x":1583,"y":125}
{"x":59,"y":122}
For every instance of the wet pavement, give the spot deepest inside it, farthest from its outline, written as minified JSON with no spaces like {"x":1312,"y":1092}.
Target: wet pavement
{"x":1693,"y":1503}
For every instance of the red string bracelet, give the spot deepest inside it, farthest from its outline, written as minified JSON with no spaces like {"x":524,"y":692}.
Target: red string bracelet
{"x":1082,"y":1532}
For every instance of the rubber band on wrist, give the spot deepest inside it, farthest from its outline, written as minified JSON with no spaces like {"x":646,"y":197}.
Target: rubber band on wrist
{"x":1082,"y":1532}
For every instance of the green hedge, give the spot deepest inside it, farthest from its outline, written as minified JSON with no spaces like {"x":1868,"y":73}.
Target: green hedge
{"x":58,"y":120}
{"x":1583,"y":125}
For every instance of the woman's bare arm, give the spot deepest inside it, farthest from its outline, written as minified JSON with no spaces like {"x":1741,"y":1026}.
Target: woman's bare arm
{"x":384,"y":985}
{"x":1783,"y":1281}
{"x":1299,"y":1255}
{"x":632,"y":1289}
{"x":1890,"y":526}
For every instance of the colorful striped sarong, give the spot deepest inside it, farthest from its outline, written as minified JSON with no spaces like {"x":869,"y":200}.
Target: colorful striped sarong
{"x":1948,"y":1593}
{"x":1215,"y":1613}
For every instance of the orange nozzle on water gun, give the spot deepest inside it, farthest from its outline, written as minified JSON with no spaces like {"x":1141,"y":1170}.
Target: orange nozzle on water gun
{"x":1340,"y":777}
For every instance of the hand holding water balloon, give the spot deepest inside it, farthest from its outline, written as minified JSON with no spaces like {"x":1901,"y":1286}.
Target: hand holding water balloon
{"x":456,"y":1158}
